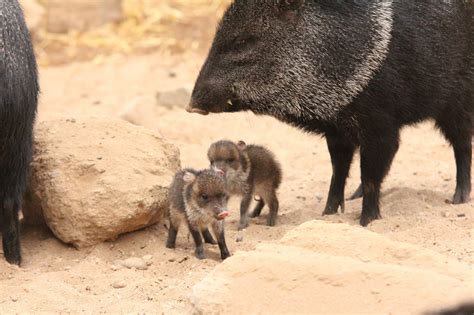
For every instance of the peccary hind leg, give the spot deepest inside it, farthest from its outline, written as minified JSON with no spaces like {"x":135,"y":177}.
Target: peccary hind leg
{"x":11,"y":231}
{"x":258,"y":209}
{"x":208,"y":237}
{"x":457,"y":130}
{"x":341,"y":153}
{"x":376,"y":159}
{"x":359,"y":193}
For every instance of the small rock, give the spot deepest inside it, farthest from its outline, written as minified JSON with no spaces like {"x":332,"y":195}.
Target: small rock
{"x":67,"y":268}
{"x":114,"y":268}
{"x":119,"y":284}
{"x":14,"y":298}
{"x":148,"y":257}
{"x":183,"y":259}
{"x":461,"y":215}
{"x":239,"y":238}
{"x":446,"y":214}
{"x":135,"y":262}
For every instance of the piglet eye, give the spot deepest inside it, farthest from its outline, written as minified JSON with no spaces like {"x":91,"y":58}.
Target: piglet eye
{"x":204,"y":197}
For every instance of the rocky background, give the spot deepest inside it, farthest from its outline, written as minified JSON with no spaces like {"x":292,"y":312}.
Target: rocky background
{"x":111,"y":132}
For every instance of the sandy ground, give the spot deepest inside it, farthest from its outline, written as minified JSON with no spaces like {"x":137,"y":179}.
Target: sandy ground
{"x":58,"y":278}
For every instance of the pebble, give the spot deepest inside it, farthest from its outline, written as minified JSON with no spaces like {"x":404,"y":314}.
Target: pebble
{"x":239,"y":238}
{"x":446,"y":214}
{"x":135,"y":262}
{"x":114,"y":268}
{"x":148,"y":257}
{"x":14,"y":298}
{"x":119,"y":285}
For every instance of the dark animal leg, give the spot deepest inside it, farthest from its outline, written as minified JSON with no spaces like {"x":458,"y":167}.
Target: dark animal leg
{"x":172,"y":233}
{"x":342,"y":153}
{"x":359,"y":193}
{"x":196,"y":234}
{"x":218,"y":228}
{"x":273,"y":204}
{"x":11,"y":231}
{"x":258,"y":208}
{"x":208,"y":237}
{"x":376,"y":159}
{"x":244,"y":207}
{"x":457,"y":130}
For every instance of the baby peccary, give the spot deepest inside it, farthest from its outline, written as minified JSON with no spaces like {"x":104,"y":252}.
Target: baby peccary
{"x":200,"y":199}
{"x":250,"y":170}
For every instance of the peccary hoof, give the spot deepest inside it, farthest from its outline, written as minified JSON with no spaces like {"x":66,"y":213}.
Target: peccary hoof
{"x":461,"y":196}
{"x":13,"y":256}
{"x":366,"y":219}
{"x":170,"y":245}
{"x":254,"y":214}
{"x":243,"y":225}
{"x":225,"y":255}
{"x":199,"y":253}
{"x":271,"y":221}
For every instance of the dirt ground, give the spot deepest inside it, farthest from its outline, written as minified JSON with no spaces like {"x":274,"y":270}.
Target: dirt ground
{"x":58,"y":278}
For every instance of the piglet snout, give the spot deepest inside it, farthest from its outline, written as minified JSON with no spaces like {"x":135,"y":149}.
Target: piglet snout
{"x":222,"y":215}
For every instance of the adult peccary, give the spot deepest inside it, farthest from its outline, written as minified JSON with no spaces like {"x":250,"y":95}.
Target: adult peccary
{"x":18,"y":103}
{"x":355,"y":71}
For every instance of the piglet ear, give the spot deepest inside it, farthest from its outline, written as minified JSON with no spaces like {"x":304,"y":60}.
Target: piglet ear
{"x":241,"y":145}
{"x":189,"y":177}
{"x":290,"y":5}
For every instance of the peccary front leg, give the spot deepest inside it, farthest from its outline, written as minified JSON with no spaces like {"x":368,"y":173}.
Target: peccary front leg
{"x":218,"y":228}
{"x":244,"y":208}
{"x":208,"y":237}
{"x":11,"y":231}
{"x":196,"y":234}
{"x":376,"y":158}
{"x":341,"y":152}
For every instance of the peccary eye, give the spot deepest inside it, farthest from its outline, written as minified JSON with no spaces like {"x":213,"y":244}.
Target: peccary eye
{"x":231,"y":160}
{"x":204,"y":197}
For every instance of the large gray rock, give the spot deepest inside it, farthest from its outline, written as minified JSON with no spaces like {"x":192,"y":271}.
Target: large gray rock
{"x":94,"y":179}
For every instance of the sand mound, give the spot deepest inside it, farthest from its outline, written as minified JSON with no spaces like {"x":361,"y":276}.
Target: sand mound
{"x":323,"y":267}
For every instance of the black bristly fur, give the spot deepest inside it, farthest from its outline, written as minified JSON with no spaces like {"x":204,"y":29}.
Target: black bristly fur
{"x":18,"y":103}
{"x":353,"y":71}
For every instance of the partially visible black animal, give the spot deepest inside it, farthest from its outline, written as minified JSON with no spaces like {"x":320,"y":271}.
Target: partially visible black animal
{"x":18,"y":103}
{"x":462,"y":309}
{"x":354,"y":71}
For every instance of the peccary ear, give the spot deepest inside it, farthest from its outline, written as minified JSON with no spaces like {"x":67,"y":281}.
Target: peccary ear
{"x":241,"y":145}
{"x":189,"y":177}
{"x":290,"y":5}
